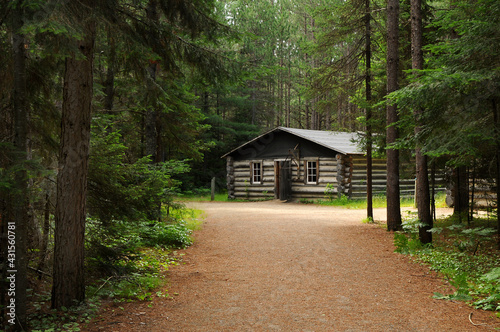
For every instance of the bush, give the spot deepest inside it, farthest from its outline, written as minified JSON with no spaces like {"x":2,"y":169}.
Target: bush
{"x":169,"y":236}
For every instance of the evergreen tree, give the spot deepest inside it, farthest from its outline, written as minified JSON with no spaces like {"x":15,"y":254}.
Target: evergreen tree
{"x":19,"y":198}
{"x":459,"y":90}
{"x":392,"y":193}
{"x":173,"y":47}
{"x":422,"y":194}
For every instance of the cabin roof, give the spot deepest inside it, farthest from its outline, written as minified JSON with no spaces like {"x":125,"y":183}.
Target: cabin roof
{"x":342,"y":142}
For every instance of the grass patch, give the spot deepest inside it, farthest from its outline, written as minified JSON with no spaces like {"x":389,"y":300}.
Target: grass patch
{"x":219,"y":197}
{"x":377,"y":202}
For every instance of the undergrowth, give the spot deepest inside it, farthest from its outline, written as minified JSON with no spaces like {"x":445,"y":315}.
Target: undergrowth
{"x":465,"y":255}
{"x":125,"y":261}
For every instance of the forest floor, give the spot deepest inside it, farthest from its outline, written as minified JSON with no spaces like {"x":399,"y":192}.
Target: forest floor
{"x":273,"y":266}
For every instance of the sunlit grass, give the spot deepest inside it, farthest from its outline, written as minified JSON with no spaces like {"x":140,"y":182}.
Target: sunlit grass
{"x":344,"y":201}
{"x":377,"y":202}
{"x":221,"y":197}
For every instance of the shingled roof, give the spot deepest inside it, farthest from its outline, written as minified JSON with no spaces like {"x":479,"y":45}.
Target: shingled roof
{"x":342,"y":142}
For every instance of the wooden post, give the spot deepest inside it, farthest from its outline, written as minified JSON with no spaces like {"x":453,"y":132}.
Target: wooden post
{"x":230,"y":178}
{"x":212,"y":198}
{"x":340,"y":175}
{"x":415,"y":197}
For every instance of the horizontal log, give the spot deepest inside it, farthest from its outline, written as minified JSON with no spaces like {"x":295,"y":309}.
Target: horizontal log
{"x":310,"y":189}
{"x":484,"y":195}
{"x":308,"y":196}
{"x":328,"y":163}
{"x":253,"y":196}
{"x":245,"y":174}
{"x":248,"y":184}
{"x":323,"y":168}
{"x":327,"y":174}
{"x":254,"y":189}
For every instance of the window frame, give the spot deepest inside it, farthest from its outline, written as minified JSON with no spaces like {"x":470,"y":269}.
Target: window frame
{"x":253,"y":175}
{"x":311,"y":178}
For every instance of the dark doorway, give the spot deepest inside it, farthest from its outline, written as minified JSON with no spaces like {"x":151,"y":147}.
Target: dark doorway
{"x":284,"y":183}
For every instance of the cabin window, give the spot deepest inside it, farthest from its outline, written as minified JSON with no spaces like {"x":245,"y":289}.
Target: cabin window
{"x":256,"y":172}
{"x":312,"y":172}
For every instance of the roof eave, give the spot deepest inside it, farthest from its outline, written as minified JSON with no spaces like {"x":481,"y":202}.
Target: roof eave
{"x":277,"y":129}
{"x":320,"y":143}
{"x":250,"y":142}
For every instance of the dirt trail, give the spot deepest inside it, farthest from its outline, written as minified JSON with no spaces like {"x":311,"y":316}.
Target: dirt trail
{"x":272,"y":266}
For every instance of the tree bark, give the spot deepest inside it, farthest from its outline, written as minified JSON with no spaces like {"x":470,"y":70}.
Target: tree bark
{"x":422,"y":190}
{"x":496,"y":122}
{"x":45,"y":238}
{"x":368,"y":96}
{"x":68,"y":285}
{"x":17,"y":235}
{"x":392,"y":192}
{"x":460,"y":192}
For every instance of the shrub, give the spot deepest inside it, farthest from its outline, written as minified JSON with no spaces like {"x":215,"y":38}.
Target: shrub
{"x":168,"y":236}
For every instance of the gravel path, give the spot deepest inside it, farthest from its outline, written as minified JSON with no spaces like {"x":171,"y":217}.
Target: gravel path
{"x":272,"y":266}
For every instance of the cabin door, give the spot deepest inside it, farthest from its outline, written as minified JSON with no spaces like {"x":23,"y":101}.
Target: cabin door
{"x":283,"y":180}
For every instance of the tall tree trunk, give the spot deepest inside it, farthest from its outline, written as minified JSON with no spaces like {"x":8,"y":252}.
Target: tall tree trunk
{"x":6,"y":199}
{"x":68,"y":285}
{"x":460,"y":192}
{"x":45,"y":238}
{"x":433,"y":190}
{"x":368,"y":87}
{"x":472,"y":172}
{"x":422,"y":190}
{"x":17,"y":231}
{"x":497,"y":144}
{"x":254,"y":101}
{"x":393,"y":202}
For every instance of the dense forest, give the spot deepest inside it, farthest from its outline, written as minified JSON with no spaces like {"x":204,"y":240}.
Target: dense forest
{"x":110,"y":109}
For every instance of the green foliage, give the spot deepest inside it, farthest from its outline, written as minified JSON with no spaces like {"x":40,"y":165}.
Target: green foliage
{"x":201,"y":196}
{"x":128,"y":259}
{"x":119,"y":189}
{"x":489,"y":283}
{"x":407,"y":243}
{"x":368,"y":220}
{"x":306,"y":201}
{"x":341,"y":200}
{"x":330,"y":191}
{"x":136,"y":286}
{"x":462,"y":255}
{"x":44,"y":319}
{"x":459,"y":86}
{"x":169,"y":236}
{"x":378,"y":202}
{"x":117,"y":248}
{"x":467,"y":240}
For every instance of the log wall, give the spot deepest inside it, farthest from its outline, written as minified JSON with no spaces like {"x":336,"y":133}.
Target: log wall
{"x":343,"y":175}
{"x":379,"y":179}
{"x":239,"y":179}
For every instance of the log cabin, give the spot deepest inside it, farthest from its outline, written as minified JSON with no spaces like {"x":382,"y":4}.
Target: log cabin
{"x":290,"y":164}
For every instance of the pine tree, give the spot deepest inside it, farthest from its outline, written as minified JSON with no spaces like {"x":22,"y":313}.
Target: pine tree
{"x":193,"y":21}
{"x":19,"y":265}
{"x":393,"y":200}
{"x":422,"y":194}
{"x":68,"y":286}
